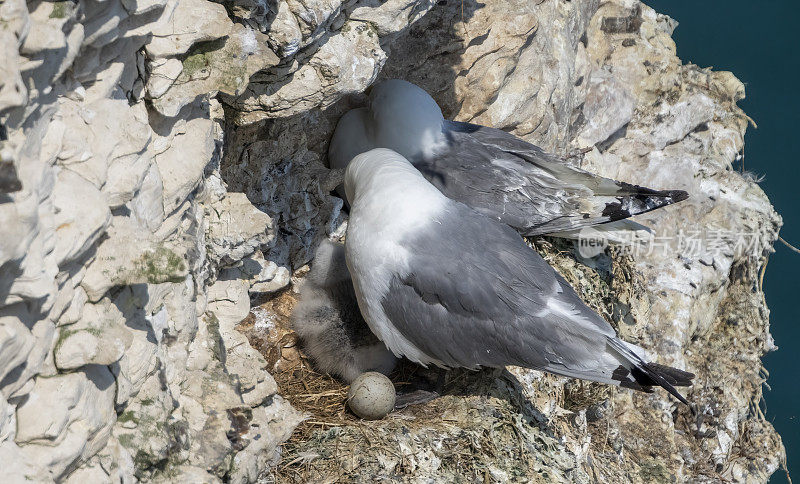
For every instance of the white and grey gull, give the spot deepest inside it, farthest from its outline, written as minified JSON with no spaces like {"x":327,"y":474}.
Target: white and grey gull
{"x":440,"y":283}
{"x":494,"y":172}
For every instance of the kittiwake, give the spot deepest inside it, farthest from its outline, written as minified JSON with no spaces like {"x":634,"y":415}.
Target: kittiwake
{"x":443,"y":284}
{"x":490,"y":170}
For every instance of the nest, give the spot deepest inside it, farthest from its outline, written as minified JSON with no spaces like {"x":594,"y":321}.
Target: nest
{"x":333,"y":444}
{"x":489,"y":427}
{"x":316,"y":394}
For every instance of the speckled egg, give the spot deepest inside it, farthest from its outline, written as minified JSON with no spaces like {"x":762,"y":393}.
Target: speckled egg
{"x":371,"y":396}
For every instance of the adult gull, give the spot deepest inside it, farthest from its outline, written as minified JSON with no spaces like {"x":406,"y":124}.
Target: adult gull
{"x":492,"y":171}
{"x":443,"y":284}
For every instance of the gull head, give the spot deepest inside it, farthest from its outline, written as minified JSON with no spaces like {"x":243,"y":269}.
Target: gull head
{"x":405,"y":119}
{"x":380,"y":171}
{"x":350,"y":138}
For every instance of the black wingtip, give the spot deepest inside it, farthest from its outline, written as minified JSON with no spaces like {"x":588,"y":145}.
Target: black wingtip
{"x":677,"y":195}
{"x":653,"y":374}
{"x":643,"y":376}
{"x":674,"y":376}
{"x":633,"y":200}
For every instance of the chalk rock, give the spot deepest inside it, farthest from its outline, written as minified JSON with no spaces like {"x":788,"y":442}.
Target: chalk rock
{"x":51,"y":44}
{"x":147,"y":427}
{"x":225,"y":66}
{"x":268,"y":427}
{"x":236,"y":228}
{"x":185,"y":23}
{"x":392,"y":16}
{"x":188,"y":152}
{"x":345,"y":63}
{"x":187,"y":473}
{"x":163,"y":73}
{"x":141,"y":359}
{"x":97,"y":134}
{"x":608,"y":107}
{"x":16,"y":340}
{"x":130,"y":257}
{"x":81,"y":215}
{"x":8,"y":420}
{"x":18,"y":468}
{"x":24,"y":331}
{"x":229,"y":303}
{"x":98,"y":338}
{"x":147,"y":205}
{"x":12,"y":245}
{"x":264,"y":276}
{"x":61,"y":431}
{"x":13,"y":30}
{"x":294,"y":187}
{"x":284,"y":33}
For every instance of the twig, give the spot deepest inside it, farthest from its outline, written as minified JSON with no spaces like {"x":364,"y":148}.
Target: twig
{"x":787,"y":244}
{"x":785,"y":467}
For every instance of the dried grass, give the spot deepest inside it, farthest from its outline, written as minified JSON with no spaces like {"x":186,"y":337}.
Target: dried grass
{"x":316,"y":394}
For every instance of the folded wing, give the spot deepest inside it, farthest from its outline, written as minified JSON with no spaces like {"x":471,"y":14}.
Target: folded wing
{"x":519,"y":184}
{"x":476,"y":295}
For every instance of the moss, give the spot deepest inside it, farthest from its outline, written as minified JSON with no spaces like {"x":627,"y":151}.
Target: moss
{"x":360,"y":26}
{"x":199,"y":56}
{"x":194,"y":63}
{"x":129,"y":416}
{"x":231,"y":77}
{"x":149,"y":466}
{"x":372,"y":29}
{"x":653,"y":471}
{"x":127,"y":441}
{"x":161,"y":265}
{"x":60,"y":10}
{"x":216,"y":342}
{"x":143,"y":460}
{"x":62,"y":336}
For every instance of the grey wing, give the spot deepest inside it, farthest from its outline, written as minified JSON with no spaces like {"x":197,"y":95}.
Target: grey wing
{"x":519,"y":184}
{"x":477,"y":295}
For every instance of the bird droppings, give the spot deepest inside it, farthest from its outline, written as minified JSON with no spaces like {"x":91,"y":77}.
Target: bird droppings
{"x":371,"y":396}
{"x":264,"y":320}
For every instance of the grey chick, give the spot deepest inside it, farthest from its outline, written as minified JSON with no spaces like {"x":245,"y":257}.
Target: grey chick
{"x":329,"y":323}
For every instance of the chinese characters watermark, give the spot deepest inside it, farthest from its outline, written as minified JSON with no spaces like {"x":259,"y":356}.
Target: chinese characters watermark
{"x":695,"y":243}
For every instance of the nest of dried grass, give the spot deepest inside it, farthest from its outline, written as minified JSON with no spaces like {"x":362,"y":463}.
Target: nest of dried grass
{"x":316,"y":394}
{"x":487,"y":428}
{"x":333,"y":445}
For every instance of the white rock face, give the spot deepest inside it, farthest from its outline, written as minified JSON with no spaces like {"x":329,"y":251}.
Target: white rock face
{"x":162,"y":160}
{"x":236,"y":229}
{"x":126,"y":264}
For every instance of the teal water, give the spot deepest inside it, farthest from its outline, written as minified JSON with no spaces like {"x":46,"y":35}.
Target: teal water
{"x":758,"y":41}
